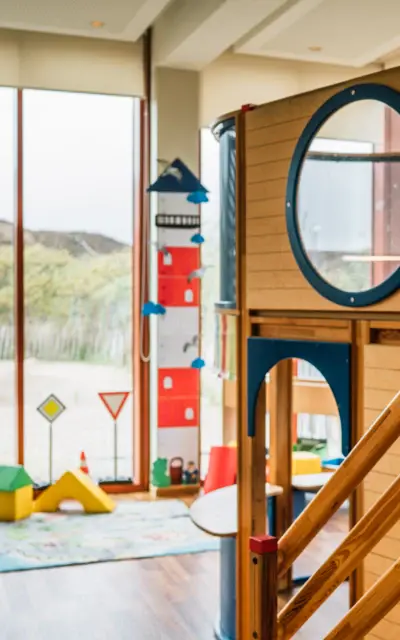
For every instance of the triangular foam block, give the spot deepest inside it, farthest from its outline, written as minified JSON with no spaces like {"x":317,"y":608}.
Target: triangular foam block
{"x":75,"y":485}
{"x":177,"y":178}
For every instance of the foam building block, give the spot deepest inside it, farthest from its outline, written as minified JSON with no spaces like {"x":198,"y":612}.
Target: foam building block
{"x":75,"y":485}
{"x":304,"y":462}
{"x":16,"y":493}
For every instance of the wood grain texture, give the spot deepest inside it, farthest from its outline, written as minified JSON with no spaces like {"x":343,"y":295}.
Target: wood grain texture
{"x":360,"y":338}
{"x":312,"y":397}
{"x":264,"y":572}
{"x":361,"y":539}
{"x":273,"y":279}
{"x":363,"y":457}
{"x":157,"y":599}
{"x":280,"y":461}
{"x":251,"y":451}
{"x":381,"y":380}
{"x":370,"y":610}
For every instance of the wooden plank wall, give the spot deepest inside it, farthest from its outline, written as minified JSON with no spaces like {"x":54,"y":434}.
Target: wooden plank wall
{"x":273,"y":279}
{"x":381,"y":383}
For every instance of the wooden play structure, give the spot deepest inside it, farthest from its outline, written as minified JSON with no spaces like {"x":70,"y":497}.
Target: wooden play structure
{"x":313,"y":214}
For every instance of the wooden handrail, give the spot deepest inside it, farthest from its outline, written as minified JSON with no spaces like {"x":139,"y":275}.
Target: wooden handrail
{"x":371,"y":608}
{"x":363,"y":457}
{"x":378,"y":520}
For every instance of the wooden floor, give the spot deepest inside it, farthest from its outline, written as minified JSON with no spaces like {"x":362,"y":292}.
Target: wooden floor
{"x":172,"y":598}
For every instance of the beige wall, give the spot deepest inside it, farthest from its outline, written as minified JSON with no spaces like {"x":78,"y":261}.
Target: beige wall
{"x":66,"y":63}
{"x":177,"y":100}
{"x":234,"y":79}
{"x":176,"y":134}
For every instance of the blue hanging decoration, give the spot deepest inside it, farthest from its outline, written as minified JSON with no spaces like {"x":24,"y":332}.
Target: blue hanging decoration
{"x":197,"y":197}
{"x":198,"y":363}
{"x":159,"y":310}
{"x":197,"y":238}
{"x":177,"y":178}
{"x":153,"y":308}
{"x":148,"y":309}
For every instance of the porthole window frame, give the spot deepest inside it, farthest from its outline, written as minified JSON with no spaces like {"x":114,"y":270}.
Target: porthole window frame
{"x":368,"y":91}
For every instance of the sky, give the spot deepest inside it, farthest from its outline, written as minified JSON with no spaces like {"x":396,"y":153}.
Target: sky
{"x":78,"y":161}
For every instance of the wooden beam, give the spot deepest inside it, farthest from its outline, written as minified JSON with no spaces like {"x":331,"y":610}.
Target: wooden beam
{"x":376,"y":523}
{"x":251,"y":451}
{"x":312,"y":397}
{"x":309,"y":396}
{"x":280,"y":449}
{"x":361,"y":335}
{"x":362,"y":458}
{"x":372,"y":607}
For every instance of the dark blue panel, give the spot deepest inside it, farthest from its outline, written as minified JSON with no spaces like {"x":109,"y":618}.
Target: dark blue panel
{"x":367,"y":91}
{"x":332,"y":359}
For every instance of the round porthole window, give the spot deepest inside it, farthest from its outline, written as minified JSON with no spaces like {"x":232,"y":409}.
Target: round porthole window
{"x":343,"y":196}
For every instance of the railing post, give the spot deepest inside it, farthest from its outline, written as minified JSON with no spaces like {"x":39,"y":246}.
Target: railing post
{"x":264,"y":586}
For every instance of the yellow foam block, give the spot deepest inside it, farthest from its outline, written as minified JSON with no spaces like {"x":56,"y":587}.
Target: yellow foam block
{"x":16,"y":505}
{"x":304,"y":463}
{"x":75,"y":485}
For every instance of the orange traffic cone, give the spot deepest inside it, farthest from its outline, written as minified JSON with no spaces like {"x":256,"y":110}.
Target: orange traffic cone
{"x":83,"y":465}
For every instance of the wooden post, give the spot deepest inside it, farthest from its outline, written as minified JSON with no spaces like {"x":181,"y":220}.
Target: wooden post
{"x":360,"y":337}
{"x":280,"y":450}
{"x":264,"y":585}
{"x":251,"y":451}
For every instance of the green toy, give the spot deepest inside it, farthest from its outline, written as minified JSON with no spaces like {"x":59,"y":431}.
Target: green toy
{"x":159,"y":476}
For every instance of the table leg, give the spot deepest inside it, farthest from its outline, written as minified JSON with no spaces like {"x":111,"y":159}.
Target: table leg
{"x":225,"y":629}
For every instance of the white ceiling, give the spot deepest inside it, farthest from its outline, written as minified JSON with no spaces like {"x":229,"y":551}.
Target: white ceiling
{"x":348,"y":32}
{"x":124,"y":20}
{"x":191,"y":33}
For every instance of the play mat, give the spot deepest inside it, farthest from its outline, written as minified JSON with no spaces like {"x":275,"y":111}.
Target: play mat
{"x":134,"y":530}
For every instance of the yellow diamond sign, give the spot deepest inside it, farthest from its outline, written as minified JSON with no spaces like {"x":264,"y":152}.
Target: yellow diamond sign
{"x":51,"y":408}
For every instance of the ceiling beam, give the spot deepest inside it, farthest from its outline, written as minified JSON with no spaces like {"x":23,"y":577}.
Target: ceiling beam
{"x":190,"y":35}
{"x":284,"y":17}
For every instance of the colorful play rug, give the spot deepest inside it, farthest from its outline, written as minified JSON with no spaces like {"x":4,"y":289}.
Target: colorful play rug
{"x":134,"y":530}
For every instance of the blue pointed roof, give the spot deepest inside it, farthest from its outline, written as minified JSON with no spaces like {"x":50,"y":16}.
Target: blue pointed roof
{"x":177,"y":178}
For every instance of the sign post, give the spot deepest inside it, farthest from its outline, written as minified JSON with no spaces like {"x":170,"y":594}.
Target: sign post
{"x":114,"y":402}
{"x":51,"y":409}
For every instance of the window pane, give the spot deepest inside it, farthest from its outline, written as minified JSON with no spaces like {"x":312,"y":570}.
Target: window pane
{"x":78,"y":215}
{"x":347,"y":208}
{"x":211,"y":385}
{"x":8,"y":168}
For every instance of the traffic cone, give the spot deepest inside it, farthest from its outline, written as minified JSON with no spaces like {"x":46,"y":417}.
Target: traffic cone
{"x":83,"y":465}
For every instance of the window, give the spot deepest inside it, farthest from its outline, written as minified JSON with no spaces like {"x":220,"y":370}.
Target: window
{"x":342,"y":196}
{"x":227,"y":151}
{"x":211,"y":385}
{"x":78,"y":236}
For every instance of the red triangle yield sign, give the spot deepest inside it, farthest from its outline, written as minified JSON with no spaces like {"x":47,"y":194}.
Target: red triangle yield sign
{"x":114,"y":401}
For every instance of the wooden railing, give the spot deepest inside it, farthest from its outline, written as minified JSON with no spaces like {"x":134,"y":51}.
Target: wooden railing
{"x":271,"y":559}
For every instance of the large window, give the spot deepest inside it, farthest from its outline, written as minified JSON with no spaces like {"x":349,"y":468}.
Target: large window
{"x":78,"y":160}
{"x":211,"y":385}
{"x":78,"y":217}
{"x":8,"y":161}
